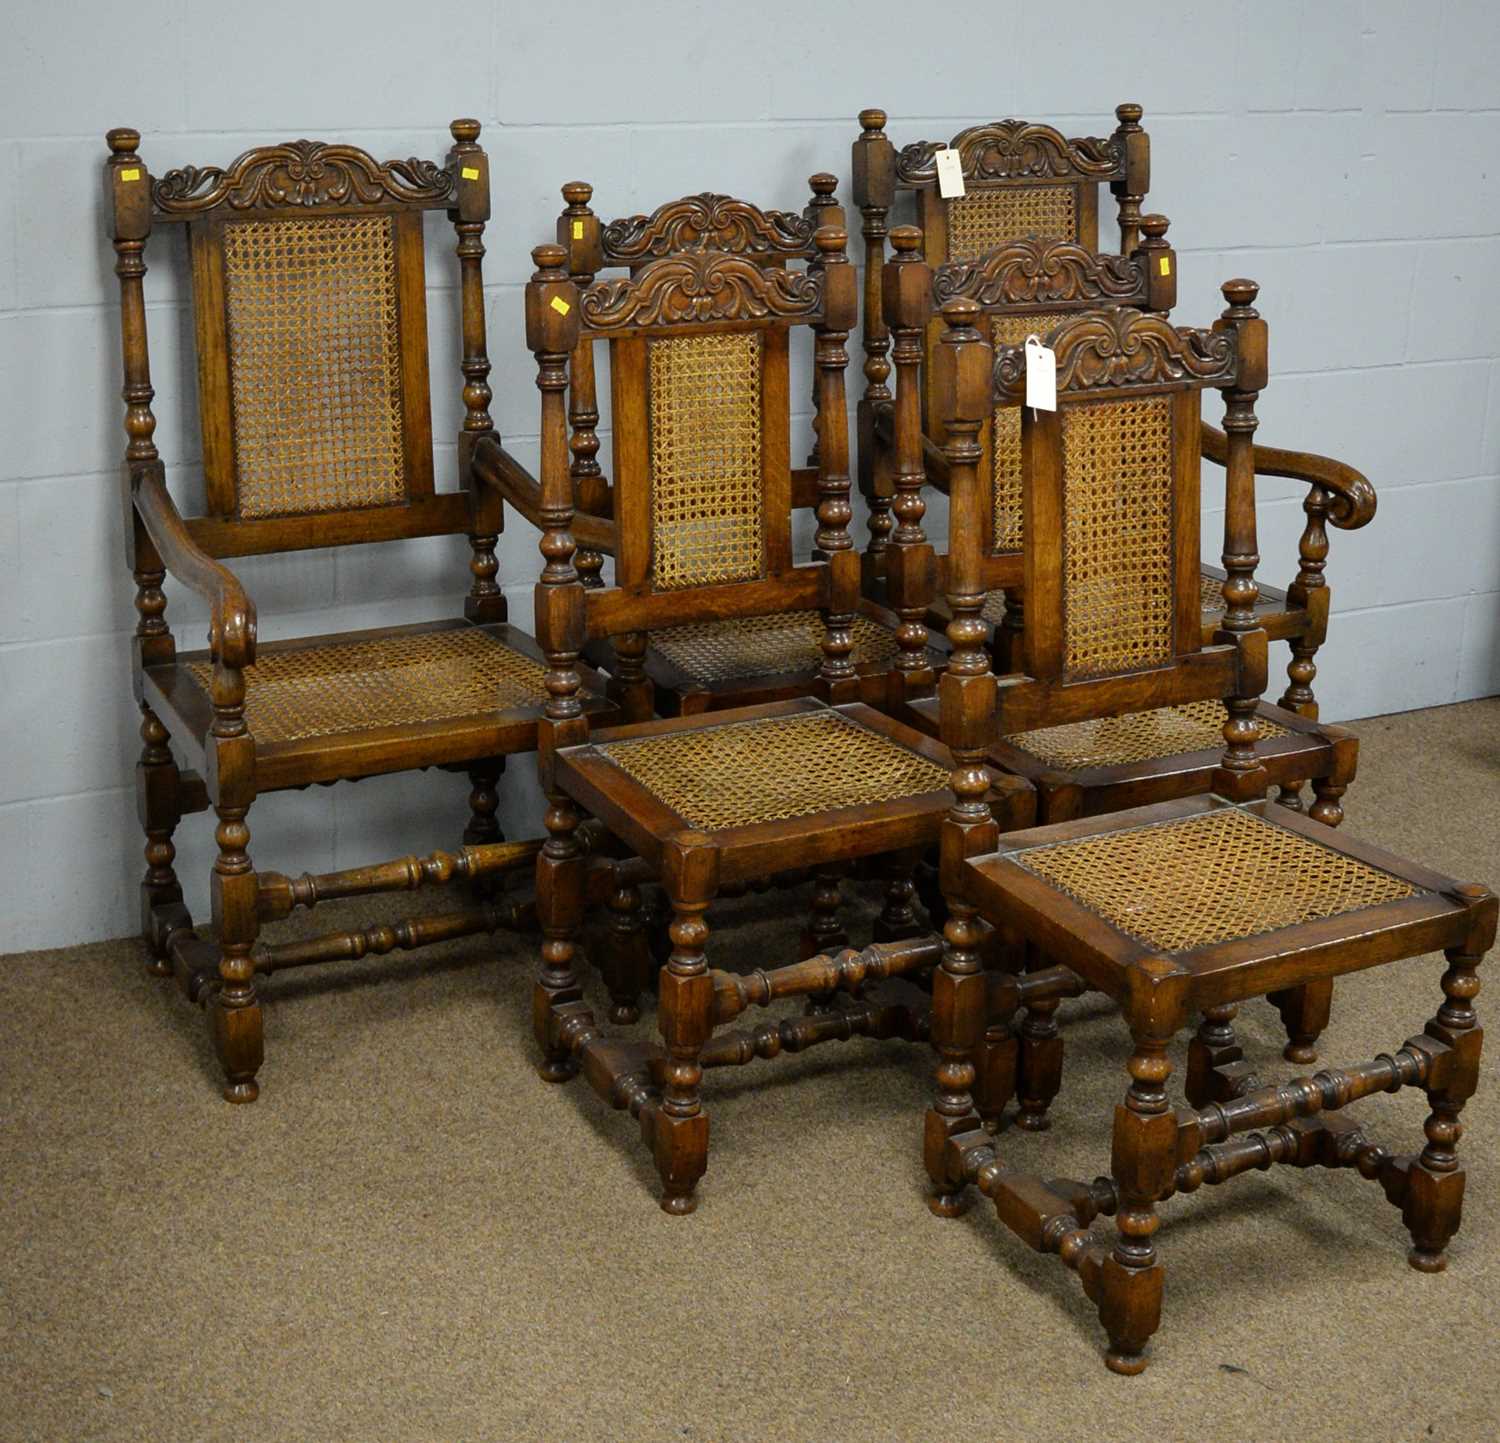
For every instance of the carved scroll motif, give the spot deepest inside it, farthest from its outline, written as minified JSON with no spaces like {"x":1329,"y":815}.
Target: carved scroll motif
{"x":300,"y":173}
{"x":701,"y":286}
{"x":1014,"y":150}
{"x":1104,"y":349}
{"x":707,"y":222}
{"x":1040,"y":272}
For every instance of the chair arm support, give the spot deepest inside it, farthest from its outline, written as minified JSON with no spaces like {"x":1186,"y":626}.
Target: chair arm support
{"x":1354,"y":498}
{"x":231,"y":629}
{"x":494,"y":466}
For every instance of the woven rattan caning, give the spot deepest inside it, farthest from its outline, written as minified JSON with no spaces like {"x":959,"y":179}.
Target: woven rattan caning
{"x":744,"y":646}
{"x":1211,"y":593}
{"x":315,"y":369}
{"x":984,"y":219}
{"x":1140,"y":736}
{"x":706,"y":514}
{"x":1117,"y":534}
{"x":766,"y":769}
{"x":1005,"y":433}
{"x":398,"y":680}
{"x":1209,"y":878}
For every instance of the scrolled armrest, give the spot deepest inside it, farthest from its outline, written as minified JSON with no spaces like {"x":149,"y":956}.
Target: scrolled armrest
{"x":1354,"y":497}
{"x":231,"y":628}
{"x":494,"y":466}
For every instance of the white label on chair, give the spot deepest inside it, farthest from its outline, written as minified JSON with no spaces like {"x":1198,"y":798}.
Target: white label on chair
{"x":950,"y":171}
{"x":1041,"y":375}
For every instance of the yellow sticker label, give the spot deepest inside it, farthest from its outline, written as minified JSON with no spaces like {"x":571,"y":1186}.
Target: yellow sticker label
{"x":577,"y":230}
{"x":469,"y":173}
{"x":1164,"y":265}
{"x":560,"y":306}
{"x":131,"y":174}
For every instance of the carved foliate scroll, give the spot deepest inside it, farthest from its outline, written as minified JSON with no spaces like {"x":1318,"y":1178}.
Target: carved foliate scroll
{"x":301,"y":173}
{"x":1014,"y":150}
{"x":701,"y":286}
{"x":1041,"y":272}
{"x":1121,"y":349}
{"x":707,"y":222}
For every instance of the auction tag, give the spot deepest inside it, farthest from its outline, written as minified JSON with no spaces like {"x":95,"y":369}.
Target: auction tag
{"x":950,"y":171}
{"x":1041,"y":375}
{"x":132,"y":174}
{"x":1164,"y":265}
{"x":577,"y":230}
{"x":562,"y":307}
{"x":469,"y":173}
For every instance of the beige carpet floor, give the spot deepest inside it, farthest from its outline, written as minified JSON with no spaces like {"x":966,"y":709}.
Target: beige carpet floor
{"x":410,"y":1237}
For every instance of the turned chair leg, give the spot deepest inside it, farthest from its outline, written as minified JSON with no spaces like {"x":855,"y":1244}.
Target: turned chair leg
{"x":559,"y":909}
{"x":1215,"y":1072}
{"x":1433,"y":1206}
{"x":483,"y":826}
{"x":626,"y":963}
{"x":1142,"y":1161}
{"x":1304,"y":1012}
{"x":1325,"y":807}
{"x":1289,"y":795}
{"x":996,"y":1066}
{"x":824,"y":932}
{"x":898,"y":917}
{"x":958,"y":1020}
{"x":234,"y":1015}
{"x":684,"y":1014}
{"x":158,"y":799}
{"x":1039,"y":1078}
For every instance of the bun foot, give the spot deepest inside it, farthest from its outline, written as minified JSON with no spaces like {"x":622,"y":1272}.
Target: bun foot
{"x":555,"y":1070}
{"x":1305,"y":1055}
{"x":678,"y":1204}
{"x":1033,"y":1121}
{"x":158,"y":967}
{"x":1425,"y":1262}
{"x":947,"y":1204}
{"x":241,"y":1091}
{"x":1126,"y":1364}
{"x":623,"y":1014}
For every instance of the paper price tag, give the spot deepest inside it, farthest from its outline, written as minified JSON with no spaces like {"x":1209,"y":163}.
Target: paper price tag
{"x":950,"y":171}
{"x":577,"y":230}
{"x":560,"y":306}
{"x":129,"y":175}
{"x":469,"y":173}
{"x":1164,"y":265}
{"x":1041,"y":376}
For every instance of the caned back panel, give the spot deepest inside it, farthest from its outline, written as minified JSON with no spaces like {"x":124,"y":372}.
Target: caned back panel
{"x":984,"y":218}
{"x":707,"y":518}
{"x":702,"y":458}
{"x":1007,"y":499}
{"x":312,"y":403}
{"x":1112,"y":498}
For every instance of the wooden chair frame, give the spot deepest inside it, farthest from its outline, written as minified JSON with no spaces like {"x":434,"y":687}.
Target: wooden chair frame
{"x":226,"y":766}
{"x":681,"y":295}
{"x":1157,"y":1151}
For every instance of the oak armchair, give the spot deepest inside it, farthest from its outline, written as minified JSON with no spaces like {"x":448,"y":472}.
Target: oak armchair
{"x":310,"y":308}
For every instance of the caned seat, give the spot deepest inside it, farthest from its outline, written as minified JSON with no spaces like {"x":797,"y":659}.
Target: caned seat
{"x":1100,"y":764}
{"x":328,"y":707}
{"x":757,"y":781}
